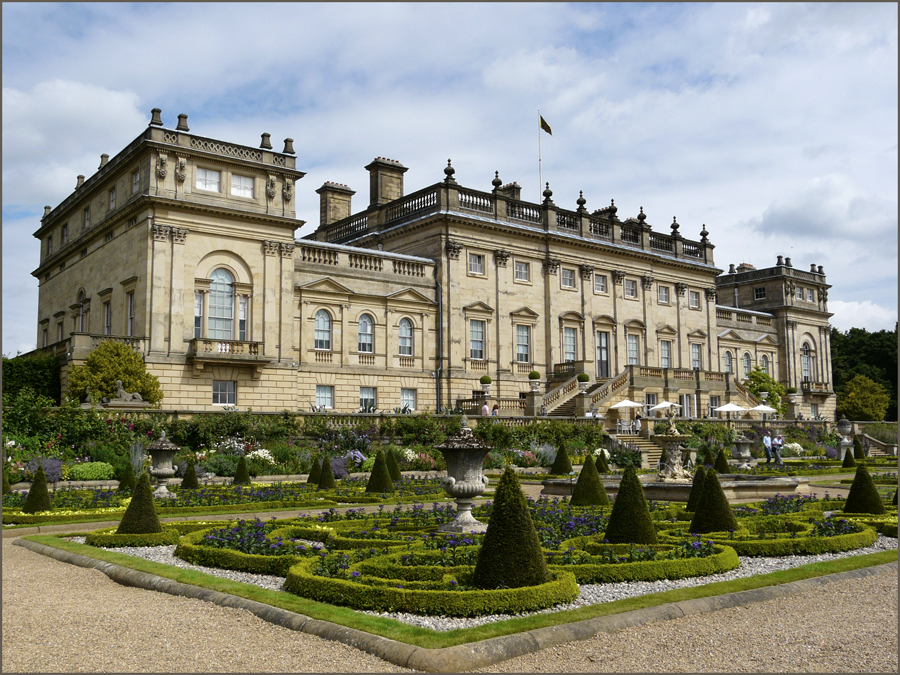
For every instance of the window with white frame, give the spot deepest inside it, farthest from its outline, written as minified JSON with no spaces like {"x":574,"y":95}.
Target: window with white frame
{"x":746,"y":363}
{"x":224,"y":392}
{"x":764,"y":364}
{"x":209,"y":180}
{"x":243,"y":312}
{"x":696,"y":357}
{"x":810,"y":295}
{"x":135,"y":181}
{"x":665,"y":354}
{"x":198,"y":314}
{"x":129,"y":306}
{"x":663,"y":292}
{"x":59,"y":331}
{"x":650,"y":400}
{"x":814,"y":410}
{"x":366,"y":341}
{"x":324,"y":396}
{"x":729,"y":363}
{"x":366,"y":398}
{"x":630,"y":288}
{"x":600,"y":283}
{"x":476,"y":339}
{"x":799,"y":293}
{"x":713,"y":403}
{"x":570,"y":342}
{"x":112,"y":199}
{"x":107,"y":318}
{"x":523,"y":344}
{"x":44,"y":338}
{"x":476,"y":263}
{"x":322,"y":338}
{"x":408,"y":399}
{"x":694,"y":299}
{"x":759,"y":293}
{"x":221,"y":305}
{"x":567,"y":278}
{"x":523,"y":271}
{"x":86,"y":218}
{"x":406,"y":337}
{"x":633,"y":344}
{"x":806,"y":362}
{"x":242,"y":186}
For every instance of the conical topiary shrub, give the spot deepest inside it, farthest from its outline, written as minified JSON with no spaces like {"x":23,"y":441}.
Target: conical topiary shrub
{"x":140,"y":516}
{"x":315,"y":472}
{"x":242,"y":475}
{"x":630,"y":521}
{"x":589,"y":489}
{"x":602,"y":464}
{"x":38,"y":498}
{"x":894,"y":502}
{"x":6,"y":485}
{"x":849,"y":460}
{"x":380,"y":478}
{"x":713,"y":512}
{"x":561,"y":465}
{"x":128,"y":482}
{"x":326,"y":477}
{"x":858,"y":453}
{"x":863,"y":496}
{"x":696,"y":489}
{"x":190,"y":482}
{"x":721,"y":464}
{"x":511,"y":554}
{"x":393,"y":465}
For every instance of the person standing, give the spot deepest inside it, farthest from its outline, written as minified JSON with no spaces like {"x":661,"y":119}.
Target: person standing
{"x":495,"y":411}
{"x":767,"y":446}
{"x":777,"y":445}
{"x":485,"y":411}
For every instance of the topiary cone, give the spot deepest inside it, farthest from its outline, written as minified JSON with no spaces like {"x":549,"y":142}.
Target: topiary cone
{"x":128,"y":482}
{"x":242,"y":475}
{"x":380,"y":478}
{"x":863,"y":496}
{"x":696,"y":489}
{"x":190,"y":482}
{"x":858,"y":450}
{"x":511,"y":553}
{"x":561,"y":465}
{"x":713,"y":513}
{"x":630,"y":521}
{"x":721,"y":464}
{"x":326,"y":478}
{"x":38,"y":498}
{"x":140,"y":516}
{"x":393,"y":465}
{"x":6,"y":485}
{"x":849,"y":460}
{"x":602,"y":464}
{"x":589,"y":489}
{"x":315,"y":472}
{"x":894,"y":501}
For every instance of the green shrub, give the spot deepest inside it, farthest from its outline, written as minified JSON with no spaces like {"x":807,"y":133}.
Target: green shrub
{"x":602,"y":464}
{"x":315,"y":472}
{"x":108,"y":538}
{"x":696,"y":489}
{"x":713,"y":512}
{"x":6,"y":485}
{"x":38,"y":498}
{"x":511,"y":554}
{"x":786,"y":545}
{"x":721,"y":464}
{"x":380,"y":478}
{"x":128,"y":482}
{"x":37,"y":370}
{"x":561,"y":465}
{"x":583,"y":377}
{"x":92,"y":471}
{"x":589,"y":488}
{"x":190,"y":482}
{"x":863,"y":496}
{"x":534,"y":375}
{"x":140,"y":516}
{"x":849,"y":459}
{"x":393,"y":465}
{"x":858,"y":452}
{"x":242,"y":475}
{"x":326,"y":476}
{"x":630,"y":521}
{"x":109,"y":362}
{"x":894,"y":501}
{"x":485,"y":379}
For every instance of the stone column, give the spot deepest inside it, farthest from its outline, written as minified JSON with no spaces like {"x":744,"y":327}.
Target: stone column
{"x":271,"y":292}
{"x":176,"y":309}
{"x":159,"y":291}
{"x":285,"y":305}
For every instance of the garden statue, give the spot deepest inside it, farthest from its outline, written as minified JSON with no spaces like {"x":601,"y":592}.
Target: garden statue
{"x":672,"y":430}
{"x":672,"y":469}
{"x":122,"y":395}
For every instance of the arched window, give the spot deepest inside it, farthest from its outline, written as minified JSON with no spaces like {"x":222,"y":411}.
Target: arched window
{"x":764,"y":364}
{"x":406,"y":337}
{"x":221,"y":305}
{"x":366,"y":334}
{"x":729,"y":366}
{"x":806,"y":362}
{"x":323,"y":330}
{"x":746,"y":364}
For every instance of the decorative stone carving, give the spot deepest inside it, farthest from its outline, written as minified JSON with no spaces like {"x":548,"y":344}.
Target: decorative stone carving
{"x":160,"y":232}
{"x":647,"y":282}
{"x":501,"y":257}
{"x":711,"y":294}
{"x":618,"y":277}
{"x":453,"y":250}
{"x":586,"y":271}
{"x":270,"y":187}
{"x":287,"y":250}
{"x":681,"y":289}
{"x":179,"y":234}
{"x":464,"y":454}
{"x":180,"y":169}
{"x":288,"y":189}
{"x":672,"y":469}
{"x":271,"y":247}
{"x":122,"y":395}
{"x":161,"y":169}
{"x":789,"y":287}
{"x":551,"y":266}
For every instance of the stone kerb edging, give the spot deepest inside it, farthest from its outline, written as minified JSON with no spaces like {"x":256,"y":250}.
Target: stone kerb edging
{"x":460,"y":657}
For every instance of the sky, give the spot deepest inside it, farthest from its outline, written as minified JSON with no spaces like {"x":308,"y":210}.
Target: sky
{"x":774,"y":125}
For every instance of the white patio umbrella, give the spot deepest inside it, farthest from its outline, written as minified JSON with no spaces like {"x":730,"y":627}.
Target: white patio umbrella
{"x":625,"y":403}
{"x":762,"y":408}
{"x":664,"y":405}
{"x":729,"y":407}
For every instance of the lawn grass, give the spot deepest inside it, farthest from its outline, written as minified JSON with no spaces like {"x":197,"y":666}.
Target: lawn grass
{"x":429,"y":639}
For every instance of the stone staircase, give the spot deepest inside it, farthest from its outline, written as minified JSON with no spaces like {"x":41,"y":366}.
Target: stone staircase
{"x":650,"y":451}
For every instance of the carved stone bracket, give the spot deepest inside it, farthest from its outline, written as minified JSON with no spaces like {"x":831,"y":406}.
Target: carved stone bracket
{"x":792,"y":324}
{"x":823,"y":295}
{"x":180,"y":169}
{"x":711,"y":294}
{"x":270,"y":247}
{"x":681,"y":289}
{"x":287,"y":189}
{"x":551,"y":266}
{"x":789,"y":287}
{"x":270,"y":187}
{"x":287,"y":250}
{"x":453,"y":250}
{"x":501,"y":257}
{"x":161,"y":162}
{"x":618,"y":277}
{"x":586,"y":271}
{"x":161,"y":232}
{"x":179,"y":234}
{"x":647,"y":282}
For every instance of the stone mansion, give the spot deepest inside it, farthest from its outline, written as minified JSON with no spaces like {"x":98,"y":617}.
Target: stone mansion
{"x":184,"y":247}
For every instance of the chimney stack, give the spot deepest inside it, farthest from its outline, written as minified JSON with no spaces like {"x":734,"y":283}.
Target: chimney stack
{"x":385,"y":180}
{"x":334,"y":202}
{"x":182,"y":123}
{"x":80,"y":181}
{"x":104,"y":158}
{"x":155,"y":118}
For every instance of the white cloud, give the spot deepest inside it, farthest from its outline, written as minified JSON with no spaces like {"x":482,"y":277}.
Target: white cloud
{"x":865,"y":314}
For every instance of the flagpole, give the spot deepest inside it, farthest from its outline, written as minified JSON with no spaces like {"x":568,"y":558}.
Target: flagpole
{"x":540,"y":167}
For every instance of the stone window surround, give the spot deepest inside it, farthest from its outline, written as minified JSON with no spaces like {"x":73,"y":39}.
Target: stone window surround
{"x":527,"y":266}
{"x":469,"y":260}
{"x":564,"y":273}
{"x":601,"y":280}
{"x":629,"y":283}
{"x":662,"y":289}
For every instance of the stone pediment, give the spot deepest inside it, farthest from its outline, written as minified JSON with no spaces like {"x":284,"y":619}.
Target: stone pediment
{"x":571,"y":316}
{"x":326,"y":285}
{"x":479,"y":307}
{"x":666,"y":330}
{"x":730,"y":335}
{"x":697,"y":334}
{"x":410,"y":295}
{"x":767,"y":340}
{"x":524,"y":313}
{"x":635,"y":323}
{"x":605,"y":319}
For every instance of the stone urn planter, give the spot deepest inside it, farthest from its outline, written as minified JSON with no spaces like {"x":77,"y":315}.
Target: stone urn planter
{"x":162,"y":452}
{"x":741,"y":451}
{"x":464,"y":454}
{"x":535,"y":385}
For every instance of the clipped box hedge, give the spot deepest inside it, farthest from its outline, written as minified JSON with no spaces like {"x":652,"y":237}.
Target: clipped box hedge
{"x":785,"y":546}
{"x":107,"y":538}
{"x":193,"y":551}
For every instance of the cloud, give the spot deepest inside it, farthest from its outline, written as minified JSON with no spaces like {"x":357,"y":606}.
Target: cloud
{"x":873,"y":317}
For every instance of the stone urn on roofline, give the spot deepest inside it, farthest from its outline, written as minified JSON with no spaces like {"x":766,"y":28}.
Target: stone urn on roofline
{"x":464,"y":454}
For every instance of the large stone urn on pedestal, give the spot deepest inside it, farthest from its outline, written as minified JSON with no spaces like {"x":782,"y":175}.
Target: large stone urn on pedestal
{"x":162,"y":452}
{"x":844,"y":428}
{"x":464,"y":454}
{"x":741,"y":451}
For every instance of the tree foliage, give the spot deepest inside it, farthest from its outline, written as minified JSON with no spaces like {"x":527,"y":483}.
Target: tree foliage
{"x":37,"y":370}
{"x":109,"y":362}
{"x":759,"y":381}
{"x":858,"y":352}
{"x":863,"y":399}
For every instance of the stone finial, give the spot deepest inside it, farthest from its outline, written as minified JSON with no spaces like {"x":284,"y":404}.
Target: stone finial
{"x":104,"y":158}
{"x":642,"y":216}
{"x":265,"y":143}
{"x":548,"y":193}
{"x":787,"y":262}
{"x":581,"y":201}
{"x":674,"y":225}
{"x":496,"y":182}
{"x":780,"y":261}
{"x":288,"y":146}
{"x":182,"y":123}
{"x":80,"y":180}
{"x":704,"y":235}
{"x":613,"y":209}
{"x":156,"y":117}
{"x":46,"y":211}
{"x":449,"y":171}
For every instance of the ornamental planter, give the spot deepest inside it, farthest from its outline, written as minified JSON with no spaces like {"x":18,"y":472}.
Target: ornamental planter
{"x":464,"y":454}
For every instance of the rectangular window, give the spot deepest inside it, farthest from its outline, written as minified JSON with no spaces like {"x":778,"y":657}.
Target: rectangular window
{"x":713,"y":403}
{"x":696,"y":362}
{"x":810,"y":295}
{"x":49,"y":246}
{"x":523,"y":344}
{"x":107,"y":319}
{"x":650,"y":400}
{"x":324,"y":396}
{"x":799,"y":293}
{"x":44,"y":339}
{"x":112,"y":199}
{"x":665,"y":354}
{"x":242,"y":186}
{"x":600,"y":283}
{"x":759,"y":293}
{"x":523,"y":271}
{"x":129,"y":304}
{"x":476,"y":339}
{"x":664,"y":295}
{"x":366,"y":398}
{"x":224,"y":392}
{"x":570,"y":340}
{"x":408,"y":399}
{"x":476,"y":263}
{"x":65,"y":234}
{"x":207,"y":179}
{"x":135,"y":182}
{"x":59,"y":331}
{"x":602,"y":354}
{"x":630,"y":288}
{"x":567,"y":278}
{"x":814,"y":410}
{"x":633,"y":349}
{"x":198,"y":314}
{"x":87,"y":218}
{"x":242,"y":317}
{"x":694,"y":300}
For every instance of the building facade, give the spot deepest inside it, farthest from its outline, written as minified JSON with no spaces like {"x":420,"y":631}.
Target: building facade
{"x":185,"y":248}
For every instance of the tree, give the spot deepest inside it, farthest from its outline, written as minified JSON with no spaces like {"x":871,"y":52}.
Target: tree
{"x":109,"y":362}
{"x":38,"y":370}
{"x":759,"y":381}
{"x":863,"y":399}
{"x":858,"y":352}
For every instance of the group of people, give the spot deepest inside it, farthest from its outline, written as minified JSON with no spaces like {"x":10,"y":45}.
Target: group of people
{"x":773,"y":446}
{"x":485,"y":411}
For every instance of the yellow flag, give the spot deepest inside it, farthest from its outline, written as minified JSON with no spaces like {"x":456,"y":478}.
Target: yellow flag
{"x":545,"y":126}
